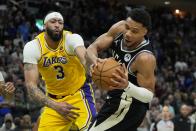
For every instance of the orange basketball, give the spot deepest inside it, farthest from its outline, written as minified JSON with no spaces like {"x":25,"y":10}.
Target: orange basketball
{"x":102,"y":73}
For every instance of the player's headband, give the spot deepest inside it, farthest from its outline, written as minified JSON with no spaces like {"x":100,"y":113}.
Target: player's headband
{"x":53,"y":15}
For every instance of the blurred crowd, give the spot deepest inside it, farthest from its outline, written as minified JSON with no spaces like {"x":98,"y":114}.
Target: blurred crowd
{"x":174,"y":41}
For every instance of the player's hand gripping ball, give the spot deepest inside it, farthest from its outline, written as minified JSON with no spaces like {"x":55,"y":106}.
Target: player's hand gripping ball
{"x":102,"y":73}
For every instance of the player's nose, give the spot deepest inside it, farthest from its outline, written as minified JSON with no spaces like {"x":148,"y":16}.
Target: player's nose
{"x":56,"y":25}
{"x":128,"y":34}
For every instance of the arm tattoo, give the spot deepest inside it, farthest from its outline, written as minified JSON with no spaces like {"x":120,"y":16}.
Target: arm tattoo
{"x":36,"y":94}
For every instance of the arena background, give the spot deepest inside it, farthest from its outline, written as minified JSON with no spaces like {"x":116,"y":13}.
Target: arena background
{"x":173,"y":36}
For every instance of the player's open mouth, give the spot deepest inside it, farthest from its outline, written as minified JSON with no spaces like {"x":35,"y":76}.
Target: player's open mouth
{"x":127,"y":41}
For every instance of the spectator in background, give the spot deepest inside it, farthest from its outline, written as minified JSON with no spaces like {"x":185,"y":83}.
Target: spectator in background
{"x":6,"y":91}
{"x":7,"y":88}
{"x":144,"y":126}
{"x":171,"y":108}
{"x":8,"y":124}
{"x":26,"y":124}
{"x":18,"y":122}
{"x":165,"y":123}
{"x":182,"y":122}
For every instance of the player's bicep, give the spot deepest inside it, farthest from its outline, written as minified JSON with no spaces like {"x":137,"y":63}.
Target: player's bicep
{"x":73,"y":41}
{"x":102,"y":42}
{"x":31,"y":52}
{"x":106,"y":39}
{"x":146,"y":65}
{"x":31,"y":74}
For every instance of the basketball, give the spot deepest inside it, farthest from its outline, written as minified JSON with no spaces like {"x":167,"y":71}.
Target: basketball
{"x":102,"y":73}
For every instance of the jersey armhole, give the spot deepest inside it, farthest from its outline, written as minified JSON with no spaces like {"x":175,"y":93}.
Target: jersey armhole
{"x":65,"y":34}
{"x":39,"y":43}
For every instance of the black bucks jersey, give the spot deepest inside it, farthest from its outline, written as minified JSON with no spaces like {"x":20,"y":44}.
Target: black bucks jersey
{"x":119,"y":112}
{"x":127,"y":57}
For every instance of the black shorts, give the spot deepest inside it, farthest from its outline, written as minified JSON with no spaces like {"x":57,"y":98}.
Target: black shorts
{"x":119,"y":114}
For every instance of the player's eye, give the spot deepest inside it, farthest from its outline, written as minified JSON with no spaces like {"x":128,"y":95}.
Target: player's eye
{"x":135,"y":31}
{"x":126,"y":26}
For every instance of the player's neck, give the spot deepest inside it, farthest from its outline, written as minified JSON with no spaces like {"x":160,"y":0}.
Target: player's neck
{"x":51,"y":43}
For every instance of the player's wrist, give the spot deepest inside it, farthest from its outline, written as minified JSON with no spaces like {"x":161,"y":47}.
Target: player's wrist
{"x":126,"y":86}
{"x":139,"y":93}
{"x":50,"y":103}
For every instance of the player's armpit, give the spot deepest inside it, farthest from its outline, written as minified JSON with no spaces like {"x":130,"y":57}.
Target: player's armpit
{"x":145,"y":66}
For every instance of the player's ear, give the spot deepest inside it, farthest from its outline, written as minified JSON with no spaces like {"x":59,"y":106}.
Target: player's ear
{"x":44,"y":27}
{"x":145,"y":31}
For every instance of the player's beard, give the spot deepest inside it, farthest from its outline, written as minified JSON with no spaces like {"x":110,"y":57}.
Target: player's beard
{"x":53,"y":36}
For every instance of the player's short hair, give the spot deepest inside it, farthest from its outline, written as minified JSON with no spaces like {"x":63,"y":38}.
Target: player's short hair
{"x":141,"y":16}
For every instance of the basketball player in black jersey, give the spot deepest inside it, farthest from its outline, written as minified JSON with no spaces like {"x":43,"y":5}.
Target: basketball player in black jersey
{"x":126,"y":103}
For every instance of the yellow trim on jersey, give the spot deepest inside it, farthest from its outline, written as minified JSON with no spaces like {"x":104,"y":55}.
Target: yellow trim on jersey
{"x":63,"y":73}
{"x":60,"y":43}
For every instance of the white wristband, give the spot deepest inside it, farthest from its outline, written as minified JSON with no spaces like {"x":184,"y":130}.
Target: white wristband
{"x":139,"y":93}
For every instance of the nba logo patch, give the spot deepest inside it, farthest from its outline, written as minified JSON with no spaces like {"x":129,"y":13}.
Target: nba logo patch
{"x":127,"y":57}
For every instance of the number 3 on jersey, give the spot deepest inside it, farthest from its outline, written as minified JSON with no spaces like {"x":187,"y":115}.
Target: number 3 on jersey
{"x":60,"y":73}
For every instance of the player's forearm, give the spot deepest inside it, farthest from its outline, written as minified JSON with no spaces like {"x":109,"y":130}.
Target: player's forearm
{"x":91,"y":55}
{"x":36,"y":94}
{"x":81,"y":53}
{"x":139,"y":93}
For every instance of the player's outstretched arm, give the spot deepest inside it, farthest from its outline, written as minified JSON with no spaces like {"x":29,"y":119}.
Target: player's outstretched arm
{"x":103,"y":42}
{"x":31,"y":80}
{"x":75,"y":46}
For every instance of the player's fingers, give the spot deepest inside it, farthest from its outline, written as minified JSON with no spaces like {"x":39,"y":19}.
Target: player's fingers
{"x":8,"y":89}
{"x":69,"y":106}
{"x":68,"y":118}
{"x":114,"y":87}
{"x":116,"y":77}
{"x":12,"y":90}
{"x":92,"y":69}
{"x":9,"y":84}
{"x":73,"y":114}
{"x":125,"y":69}
{"x":118,"y":81}
{"x":114,"y":82}
{"x":101,"y":60}
{"x":120,"y":72}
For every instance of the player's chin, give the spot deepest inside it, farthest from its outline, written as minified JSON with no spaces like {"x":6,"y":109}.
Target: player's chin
{"x":128,"y":43}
